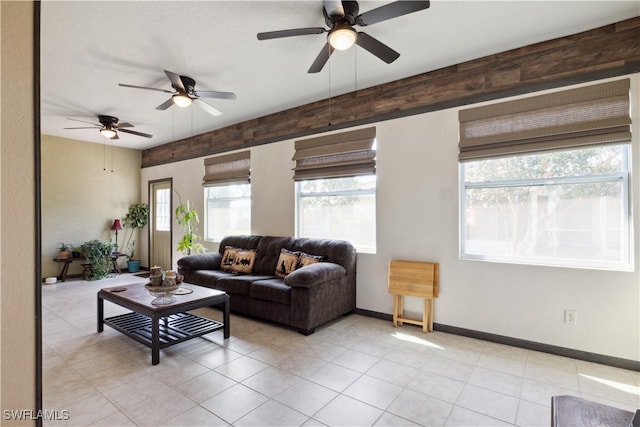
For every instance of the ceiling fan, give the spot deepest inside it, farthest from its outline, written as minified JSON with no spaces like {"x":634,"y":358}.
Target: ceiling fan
{"x":110,"y":126}
{"x":185,"y":93}
{"x":341,"y":17}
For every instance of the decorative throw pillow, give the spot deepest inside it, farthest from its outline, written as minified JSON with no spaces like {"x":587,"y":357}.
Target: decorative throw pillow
{"x":243,"y":261}
{"x":228,"y":256}
{"x":287,"y":262}
{"x":307,"y":259}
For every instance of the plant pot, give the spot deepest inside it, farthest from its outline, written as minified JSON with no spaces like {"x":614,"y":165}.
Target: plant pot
{"x":133,"y":266}
{"x":64,"y":254}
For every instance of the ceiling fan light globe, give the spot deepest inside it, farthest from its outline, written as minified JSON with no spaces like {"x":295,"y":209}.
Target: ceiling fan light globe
{"x":342,"y":38}
{"x":181,"y":100}
{"x":108,"y":133}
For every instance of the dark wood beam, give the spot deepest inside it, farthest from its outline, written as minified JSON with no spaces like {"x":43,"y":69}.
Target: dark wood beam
{"x":604,"y":52}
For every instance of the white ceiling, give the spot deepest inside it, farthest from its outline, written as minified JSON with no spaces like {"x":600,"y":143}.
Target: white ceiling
{"x":88,"y":47}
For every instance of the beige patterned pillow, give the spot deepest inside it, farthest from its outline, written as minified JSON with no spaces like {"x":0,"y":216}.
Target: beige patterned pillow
{"x":228,"y":256}
{"x":307,"y":259}
{"x":243,"y":261}
{"x":287,"y":262}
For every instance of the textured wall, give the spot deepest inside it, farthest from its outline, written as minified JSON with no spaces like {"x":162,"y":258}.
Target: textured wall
{"x":17,"y":211}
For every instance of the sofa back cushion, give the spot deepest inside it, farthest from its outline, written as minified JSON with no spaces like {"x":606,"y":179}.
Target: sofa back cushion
{"x":242,"y":242}
{"x":332,"y":250}
{"x":269,"y":252}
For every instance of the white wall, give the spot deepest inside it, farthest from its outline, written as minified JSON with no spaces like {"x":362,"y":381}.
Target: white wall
{"x":417,"y":219}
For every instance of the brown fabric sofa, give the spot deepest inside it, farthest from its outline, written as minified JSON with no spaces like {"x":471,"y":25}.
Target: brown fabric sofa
{"x":306,"y":298}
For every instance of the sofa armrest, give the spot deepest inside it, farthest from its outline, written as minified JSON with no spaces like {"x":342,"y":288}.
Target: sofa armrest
{"x":206,"y":261}
{"x":312,"y":274}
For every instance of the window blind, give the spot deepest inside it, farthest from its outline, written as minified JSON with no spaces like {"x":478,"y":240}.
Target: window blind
{"x":338,"y":155}
{"x":592,"y":115}
{"x":227,"y":169}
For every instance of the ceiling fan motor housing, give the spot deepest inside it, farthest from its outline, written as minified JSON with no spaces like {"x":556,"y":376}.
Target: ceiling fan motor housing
{"x":351,"y":10}
{"x":108,"y":121}
{"x":188,"y":83}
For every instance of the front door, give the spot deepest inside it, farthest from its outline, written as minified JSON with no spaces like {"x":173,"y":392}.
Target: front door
{"x":160,"y":202}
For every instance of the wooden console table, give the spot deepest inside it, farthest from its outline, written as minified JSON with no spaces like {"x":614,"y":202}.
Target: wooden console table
{"x":67,"y":261}
{"x":65,"y":266}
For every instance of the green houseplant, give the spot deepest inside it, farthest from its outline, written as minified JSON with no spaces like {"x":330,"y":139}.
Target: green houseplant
{"x":136,"y":217}
{"x":64,"y":250}
{"x":99,"y":255}
{"x":187,"y":218}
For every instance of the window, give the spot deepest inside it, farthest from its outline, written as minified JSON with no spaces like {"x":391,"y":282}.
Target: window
{"x":339,"y":208}
{"x":163,"y":210}
{"x":336,"y":187}
{"x":545,"y":180}
{"x":228,"y":211}
{"x":227,"y":195}
{"x":562,"y":208}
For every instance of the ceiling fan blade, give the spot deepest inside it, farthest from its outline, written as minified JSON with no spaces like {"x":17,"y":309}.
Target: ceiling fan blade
{"x":333,"y":7}
{"x":166,"y":104}
{"x":215,"y":94}
{"x":321,"y":59}
{"x":390,"y":11}
{"x":115,"y":136}
{"x":377,"y":48}
{"x":83,"y":121}
{"x":176,"y":81}
{"x":208,"y":108}
{"x":125,"y":125}
{"x":82,"y":128}
{"x":133,"y":132}
{"x":144,"y":87}
{"x":290,"y":33}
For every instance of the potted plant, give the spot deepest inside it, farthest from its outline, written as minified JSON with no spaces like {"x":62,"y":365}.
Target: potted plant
{"x":187,"y":218}
{"x":64,"y":250}
{"x":133,"y":264}
{"x":99,"y":255}
{"x":136,"y":217}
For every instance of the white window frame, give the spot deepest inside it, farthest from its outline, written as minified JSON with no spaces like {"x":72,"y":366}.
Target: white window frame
{"x":336,"y":193}
{"x":625,"y":264}
{"x":208,"y":217}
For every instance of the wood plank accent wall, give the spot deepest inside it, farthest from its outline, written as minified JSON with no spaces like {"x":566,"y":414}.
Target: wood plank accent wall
{"x":608,"y":51}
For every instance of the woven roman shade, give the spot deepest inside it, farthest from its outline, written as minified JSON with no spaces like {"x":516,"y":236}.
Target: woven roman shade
{"x":339,"y":155}
{"x":586,"y":116}
{"x":227,"y":169}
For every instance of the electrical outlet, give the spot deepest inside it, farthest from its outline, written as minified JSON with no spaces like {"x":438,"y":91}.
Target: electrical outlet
{"x":570,"y":317}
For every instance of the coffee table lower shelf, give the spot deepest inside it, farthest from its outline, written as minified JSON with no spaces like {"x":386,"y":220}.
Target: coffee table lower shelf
{"x":173,"y":329}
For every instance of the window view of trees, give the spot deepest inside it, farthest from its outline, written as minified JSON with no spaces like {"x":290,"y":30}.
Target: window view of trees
{"x":228,"y":211}
{"x":555,"y":208}
{"x":339,"y":208}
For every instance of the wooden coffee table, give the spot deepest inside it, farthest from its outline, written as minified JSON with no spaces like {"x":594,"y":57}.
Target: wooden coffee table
{"x":144,"y":323}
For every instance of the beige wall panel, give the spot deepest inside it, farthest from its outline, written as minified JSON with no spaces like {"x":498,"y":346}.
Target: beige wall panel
{"x":85,"y":186}
{"x":17,"y":211}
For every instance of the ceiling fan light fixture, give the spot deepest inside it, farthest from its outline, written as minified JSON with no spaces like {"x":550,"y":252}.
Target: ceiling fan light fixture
{"x":108,"y":132}
{"x":342,"y":37}
{"x":181,"y":100}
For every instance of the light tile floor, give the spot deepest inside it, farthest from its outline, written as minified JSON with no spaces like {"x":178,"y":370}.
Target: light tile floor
{"x":355,"y":371}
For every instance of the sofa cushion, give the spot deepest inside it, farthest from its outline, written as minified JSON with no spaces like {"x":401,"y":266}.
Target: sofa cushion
{"x":287,"y":262}
{"x":205,"y":261}
{"x":268,"y":252}
{"x":271,"y":290}
{"x":243,"y":261}
{"x":338,"y":251}
{"x":228,"y":256}
{"x":314,"y":274}
{"x":237,"y":283}
{"x":305,"y":259}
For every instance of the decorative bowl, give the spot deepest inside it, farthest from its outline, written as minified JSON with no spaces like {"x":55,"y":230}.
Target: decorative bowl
{"x":163,"y":294}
